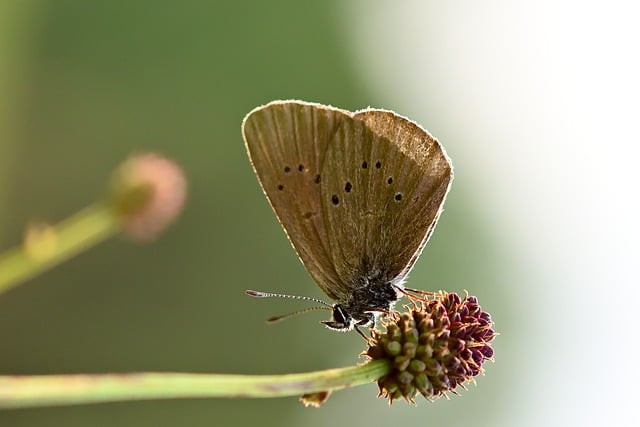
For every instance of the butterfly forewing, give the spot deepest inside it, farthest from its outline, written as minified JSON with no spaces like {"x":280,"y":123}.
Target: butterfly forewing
{"x":354,"y":205}
{"x":386,"y":180}
{"x":287,"y":142}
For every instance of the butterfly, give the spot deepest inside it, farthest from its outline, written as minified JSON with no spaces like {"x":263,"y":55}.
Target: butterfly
{"x":357,"y":193}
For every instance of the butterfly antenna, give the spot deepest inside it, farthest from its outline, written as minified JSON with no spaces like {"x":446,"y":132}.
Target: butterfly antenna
{"x":260,"y":294}
{"x":275,"y":319}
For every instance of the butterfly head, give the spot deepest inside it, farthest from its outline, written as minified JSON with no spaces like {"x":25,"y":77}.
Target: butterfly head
{"x":342,"y":320}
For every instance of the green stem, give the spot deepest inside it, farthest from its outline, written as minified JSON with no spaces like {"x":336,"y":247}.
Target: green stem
{"x":68,"y":238}
{"x":57,"y":390}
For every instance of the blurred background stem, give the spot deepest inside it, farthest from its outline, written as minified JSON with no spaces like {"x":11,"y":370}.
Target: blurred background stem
{"x":46,"y":246}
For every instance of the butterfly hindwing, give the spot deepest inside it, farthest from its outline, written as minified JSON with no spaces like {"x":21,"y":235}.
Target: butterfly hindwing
{"x":429,"y":179}
{"x":386,"y":182}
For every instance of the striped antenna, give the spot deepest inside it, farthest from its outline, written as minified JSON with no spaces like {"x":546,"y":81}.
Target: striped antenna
{"x":275,"y":319}
{"x":260,"y":294}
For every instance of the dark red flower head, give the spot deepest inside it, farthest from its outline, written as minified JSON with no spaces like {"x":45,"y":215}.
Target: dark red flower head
{"x":437,"y":345}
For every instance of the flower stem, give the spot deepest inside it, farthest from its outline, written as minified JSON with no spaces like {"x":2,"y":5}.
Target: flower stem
{"x":59,"y":390}
{"x":63,"y":241}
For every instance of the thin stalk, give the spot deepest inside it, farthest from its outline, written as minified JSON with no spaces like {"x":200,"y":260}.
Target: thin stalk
{"x":59,"y":390}
{"x":62,"y":241}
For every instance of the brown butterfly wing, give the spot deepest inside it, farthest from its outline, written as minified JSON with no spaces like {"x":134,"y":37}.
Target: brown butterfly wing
{"x":287,"y":142}
{"x":386,"y":181}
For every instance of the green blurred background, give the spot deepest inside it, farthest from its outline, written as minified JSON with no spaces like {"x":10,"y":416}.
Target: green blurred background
{"x":84,"y":84}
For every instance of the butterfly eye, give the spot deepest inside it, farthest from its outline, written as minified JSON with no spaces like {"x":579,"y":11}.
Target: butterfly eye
{"x":347,"y":187}
{"x":398,"y":197}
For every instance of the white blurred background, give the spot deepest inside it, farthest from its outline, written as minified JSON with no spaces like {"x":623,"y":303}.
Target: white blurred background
{"x":548,"y":145}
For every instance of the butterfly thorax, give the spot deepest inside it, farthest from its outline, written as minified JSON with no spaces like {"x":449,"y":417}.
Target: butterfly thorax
{"x":362,"y":307}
